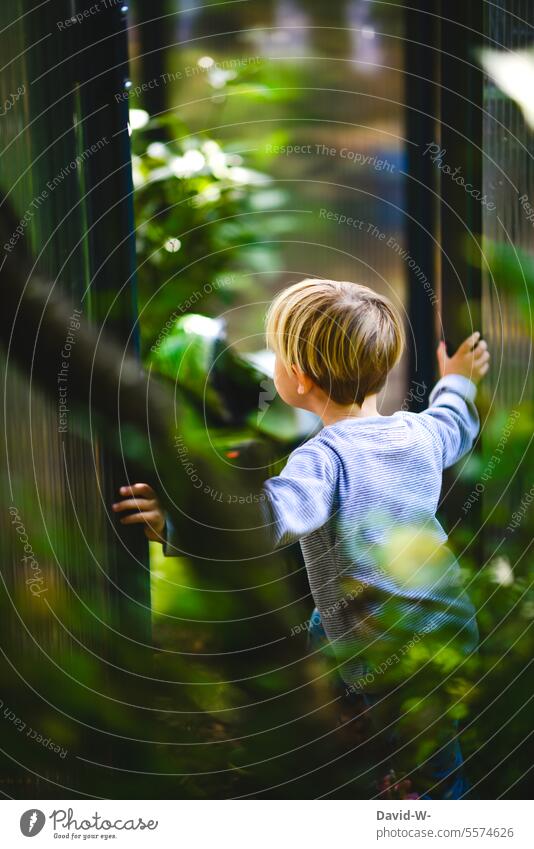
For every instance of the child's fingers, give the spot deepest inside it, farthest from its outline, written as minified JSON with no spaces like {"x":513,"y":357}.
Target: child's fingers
{"x":481,"y":357}
{"x":151,"y":518}
{"x":138,"y":489}
{"x":134,"y":504}
{"x":441,"y":353}
{"x":469,"y":343}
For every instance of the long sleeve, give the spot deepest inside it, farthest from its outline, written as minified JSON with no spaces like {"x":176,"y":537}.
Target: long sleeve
{"x":170,"y":546}
{"x":453,"y":417}
{"x":300,"y":499}
{"x":294,"y":503}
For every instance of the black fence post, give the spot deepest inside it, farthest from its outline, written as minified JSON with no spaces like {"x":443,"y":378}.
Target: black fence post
{"x":102,"y":76}
{"x":421,"y":202}
{"x":461,"y":150}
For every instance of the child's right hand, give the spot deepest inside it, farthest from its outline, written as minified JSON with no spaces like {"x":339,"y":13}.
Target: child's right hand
{"x":470,"y":360}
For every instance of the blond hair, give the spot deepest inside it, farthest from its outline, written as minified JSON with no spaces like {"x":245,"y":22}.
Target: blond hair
{"x":344,"y":336}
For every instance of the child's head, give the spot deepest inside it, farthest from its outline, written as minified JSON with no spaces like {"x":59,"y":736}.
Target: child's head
{"x":342,"y":337}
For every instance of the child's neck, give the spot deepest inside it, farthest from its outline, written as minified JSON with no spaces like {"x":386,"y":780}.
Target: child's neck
{"x":329,"y":412}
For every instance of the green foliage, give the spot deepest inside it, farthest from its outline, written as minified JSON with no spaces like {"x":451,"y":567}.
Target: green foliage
{"x":205,"y":223}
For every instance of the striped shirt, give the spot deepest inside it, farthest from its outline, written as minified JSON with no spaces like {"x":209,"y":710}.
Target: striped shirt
{"x":361,"y":497}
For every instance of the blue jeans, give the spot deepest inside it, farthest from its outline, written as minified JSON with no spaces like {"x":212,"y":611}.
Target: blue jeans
{"x":440,"y":775}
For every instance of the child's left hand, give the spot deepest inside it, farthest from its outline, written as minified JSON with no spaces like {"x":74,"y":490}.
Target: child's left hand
{"x":149,"y":511}
{"x":470,"y":360}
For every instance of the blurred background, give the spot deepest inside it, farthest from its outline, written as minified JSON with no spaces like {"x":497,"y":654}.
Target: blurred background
{"x":288,"y":118}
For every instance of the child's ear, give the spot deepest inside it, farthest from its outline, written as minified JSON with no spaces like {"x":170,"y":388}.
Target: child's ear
{"x":304,"y":383}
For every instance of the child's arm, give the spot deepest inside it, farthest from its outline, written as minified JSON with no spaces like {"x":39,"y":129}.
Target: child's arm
{"x":293,"y":504}
{"x":300,"y":500}
{"x":451,"y":403}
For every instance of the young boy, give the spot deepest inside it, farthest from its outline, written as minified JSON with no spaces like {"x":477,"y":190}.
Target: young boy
{"x":361,"y":497}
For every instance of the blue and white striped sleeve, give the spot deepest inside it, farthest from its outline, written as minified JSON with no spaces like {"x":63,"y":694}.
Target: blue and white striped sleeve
{"x":454,"y":416}
{"x":170,"y":544}
{"x":300,"y":500}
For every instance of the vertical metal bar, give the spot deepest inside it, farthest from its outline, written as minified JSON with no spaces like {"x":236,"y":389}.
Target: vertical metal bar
{"x":421,"y":40}
{"x":102,"y":74}
{"x":460,"y":169}
{"x":154,"y":30}
{"x":461,"y":148}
